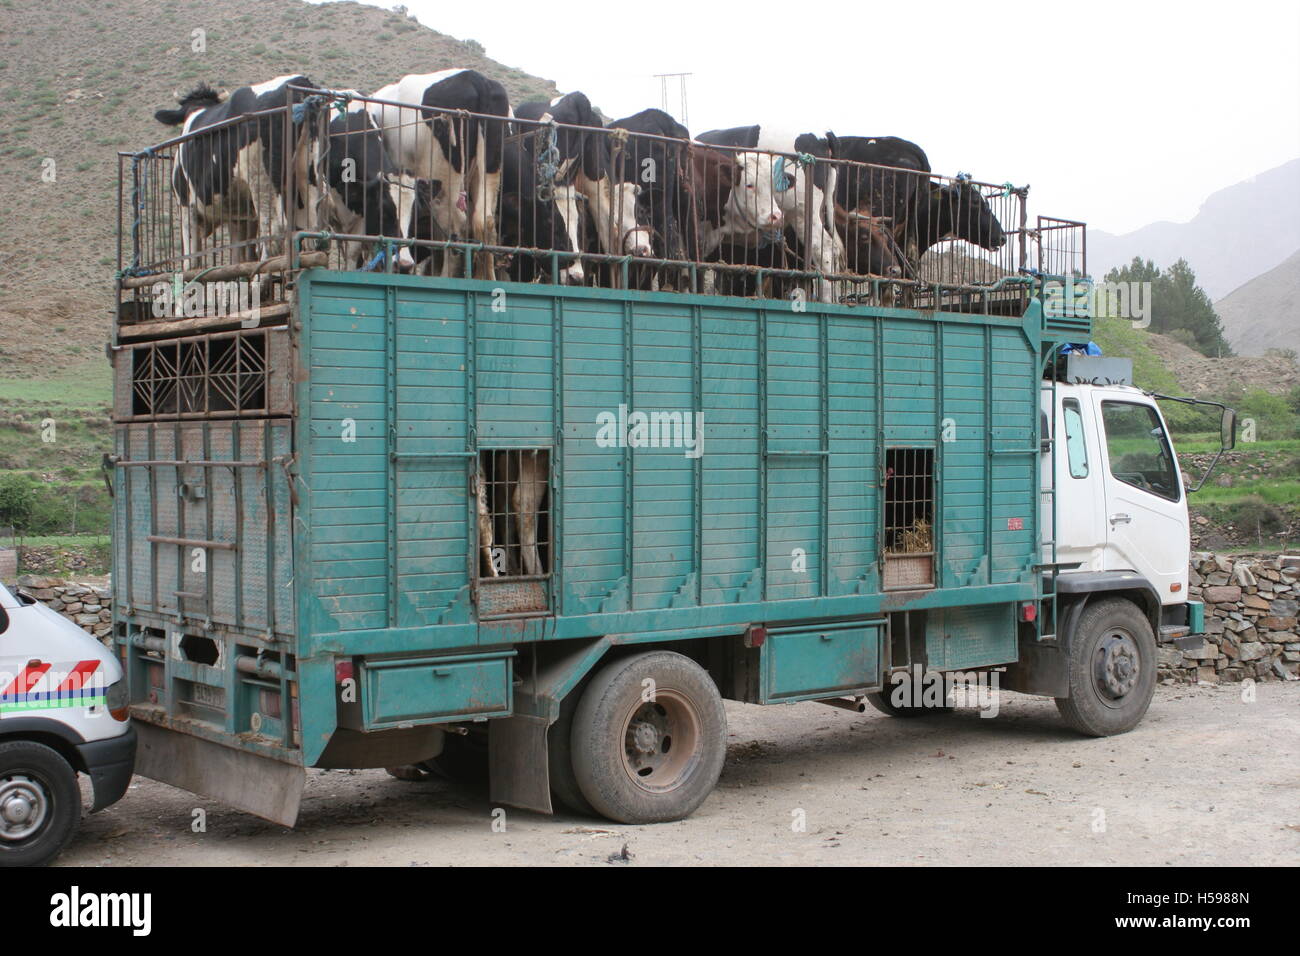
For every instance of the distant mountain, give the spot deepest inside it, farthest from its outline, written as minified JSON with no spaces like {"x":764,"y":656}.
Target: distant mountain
{"x":1265,"y":312}
{"x":1239,"y":233}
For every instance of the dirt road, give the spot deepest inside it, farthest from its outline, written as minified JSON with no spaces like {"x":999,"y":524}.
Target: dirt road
{"x":1207,"y":778}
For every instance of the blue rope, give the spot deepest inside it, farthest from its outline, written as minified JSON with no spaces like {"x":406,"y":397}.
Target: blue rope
{"x":312,"y":103}
{"x":548,"y":165}
{"x":140,"y":182}
{"x":780,"y":179}
{"x":373,"y":264}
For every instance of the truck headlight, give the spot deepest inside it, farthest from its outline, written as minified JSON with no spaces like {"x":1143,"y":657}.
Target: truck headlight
{"x":118,"y":700}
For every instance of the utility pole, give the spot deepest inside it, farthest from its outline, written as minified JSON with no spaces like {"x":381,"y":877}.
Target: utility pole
{"x":663,"y":79}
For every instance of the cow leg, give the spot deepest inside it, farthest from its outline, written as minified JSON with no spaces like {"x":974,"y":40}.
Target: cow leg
{"x":273,"y":228}
{"x":487,"y":201}
{"x":485,"y":190}
{"x":529,"y":490}
{"x":243,"y":230}
{"x":485,"y":536}
{"x":193,"y":232}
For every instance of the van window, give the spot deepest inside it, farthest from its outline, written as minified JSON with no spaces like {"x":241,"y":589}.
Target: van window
{"x":1075,"y":449}
{"x":1139,"y":450}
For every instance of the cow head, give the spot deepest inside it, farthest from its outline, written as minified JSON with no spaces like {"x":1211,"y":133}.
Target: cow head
{"x":566,"y":219}
{"x":612,"y":205}
{"x":874,"y":250}
{"x":964,"y":213}
{"x":758,"y":190}
{"x":199,"y":98}
{"x":635,"y":237}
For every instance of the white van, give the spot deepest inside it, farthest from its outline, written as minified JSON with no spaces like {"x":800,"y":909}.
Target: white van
{"x":64,"y":710}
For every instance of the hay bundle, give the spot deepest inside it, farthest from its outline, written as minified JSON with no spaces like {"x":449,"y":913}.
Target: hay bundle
{"x":918,"y":538}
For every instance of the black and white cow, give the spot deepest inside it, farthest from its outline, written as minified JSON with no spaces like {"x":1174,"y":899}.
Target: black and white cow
{"x":887,"y":192}
{"x":660,"y":168}
{"x":777,"y":182}
{"x":430,"y":141}
{"x":599,"y":168}
{"x":368,"y":194}
{"x":239,"y":175}
{"x":535,"y":217}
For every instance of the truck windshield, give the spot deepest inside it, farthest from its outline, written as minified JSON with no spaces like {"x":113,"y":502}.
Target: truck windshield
{"x":1139,"y":450}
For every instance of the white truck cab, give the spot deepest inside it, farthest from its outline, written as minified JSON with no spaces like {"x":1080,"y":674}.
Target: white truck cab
{"x":64,"y":710}
{"x":1120,"y":500}
{"x":1116,"y":538}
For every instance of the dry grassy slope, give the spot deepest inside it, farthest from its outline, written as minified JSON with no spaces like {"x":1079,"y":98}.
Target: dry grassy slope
{"x":81,"y":80}
{"x":1201,"y":376}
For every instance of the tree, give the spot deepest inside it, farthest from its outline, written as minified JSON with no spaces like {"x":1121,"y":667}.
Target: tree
{"x":16,"y":500}
{"x":1177,"y":304}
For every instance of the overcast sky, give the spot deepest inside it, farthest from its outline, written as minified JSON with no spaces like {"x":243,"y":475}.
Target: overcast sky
{"x":1117,"y":113}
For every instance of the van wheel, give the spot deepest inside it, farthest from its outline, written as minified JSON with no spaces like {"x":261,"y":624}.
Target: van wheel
{"x":40,"y":803}
{"x":649,"y":738}
{"x":1112,"y":669}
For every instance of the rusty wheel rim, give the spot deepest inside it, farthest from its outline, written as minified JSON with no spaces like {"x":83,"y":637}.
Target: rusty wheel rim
{"x":661,"y":741}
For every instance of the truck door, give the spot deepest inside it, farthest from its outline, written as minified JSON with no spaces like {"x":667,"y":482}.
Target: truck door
{"x":1146,"y":514}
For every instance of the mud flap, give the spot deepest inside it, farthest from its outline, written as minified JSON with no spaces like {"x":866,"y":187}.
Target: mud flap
{"x":517,"y":762}
{"x":1043,"y":669}
{"x":258,"y":785}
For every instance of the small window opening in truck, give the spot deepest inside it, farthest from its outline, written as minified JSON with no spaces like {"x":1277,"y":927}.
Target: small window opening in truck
{"x":1075,"y":449}
{"x":1139,"y":450}
{"x":514,"y":520}
{"x":907,"y":500}
{"x":207,"y":375}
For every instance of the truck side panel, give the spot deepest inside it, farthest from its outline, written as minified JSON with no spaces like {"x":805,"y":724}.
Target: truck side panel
{"x":784,"y":503}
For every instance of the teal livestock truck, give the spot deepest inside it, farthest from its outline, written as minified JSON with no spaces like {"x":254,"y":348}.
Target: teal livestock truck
{"x":539,"y":531}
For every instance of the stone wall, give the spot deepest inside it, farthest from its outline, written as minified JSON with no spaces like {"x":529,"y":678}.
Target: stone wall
{"x":88,"y":605}
{"x":1251,"y":606}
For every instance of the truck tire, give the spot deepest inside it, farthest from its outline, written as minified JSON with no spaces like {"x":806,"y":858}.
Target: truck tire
{"x":464,"y":759}
{"x":40,"y":803}
{"x":649,"y":761}
{"x":410,"y":773}
{"x":1112,"y":669}
{"x":559,"y":759}
{"x":881,"y":701}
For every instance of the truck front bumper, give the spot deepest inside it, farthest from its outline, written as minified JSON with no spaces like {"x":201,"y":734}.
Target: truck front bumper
{"x":110,"y":764}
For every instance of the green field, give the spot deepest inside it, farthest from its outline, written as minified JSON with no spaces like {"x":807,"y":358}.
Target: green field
{"x":86,"y":387}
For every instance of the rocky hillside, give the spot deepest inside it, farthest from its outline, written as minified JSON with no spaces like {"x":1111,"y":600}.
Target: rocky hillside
{"x":81,"y":81}
{"x":1264,"y":313}
{"x":1201,"y":376}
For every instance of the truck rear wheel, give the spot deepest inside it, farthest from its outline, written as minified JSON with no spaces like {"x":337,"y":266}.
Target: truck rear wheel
{"x":559,"y":757}
{"x":649,"y":738}
{"x":1112,"y":669}
{"x":40,"y":803}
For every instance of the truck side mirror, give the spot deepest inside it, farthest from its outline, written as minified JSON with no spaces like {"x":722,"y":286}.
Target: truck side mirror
{"x":1228,"y":430}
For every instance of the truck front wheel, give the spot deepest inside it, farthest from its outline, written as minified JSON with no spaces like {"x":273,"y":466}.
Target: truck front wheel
{"x":40,"y":803}
{"x":649,"y":738}
{"x":1112,"y":669}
